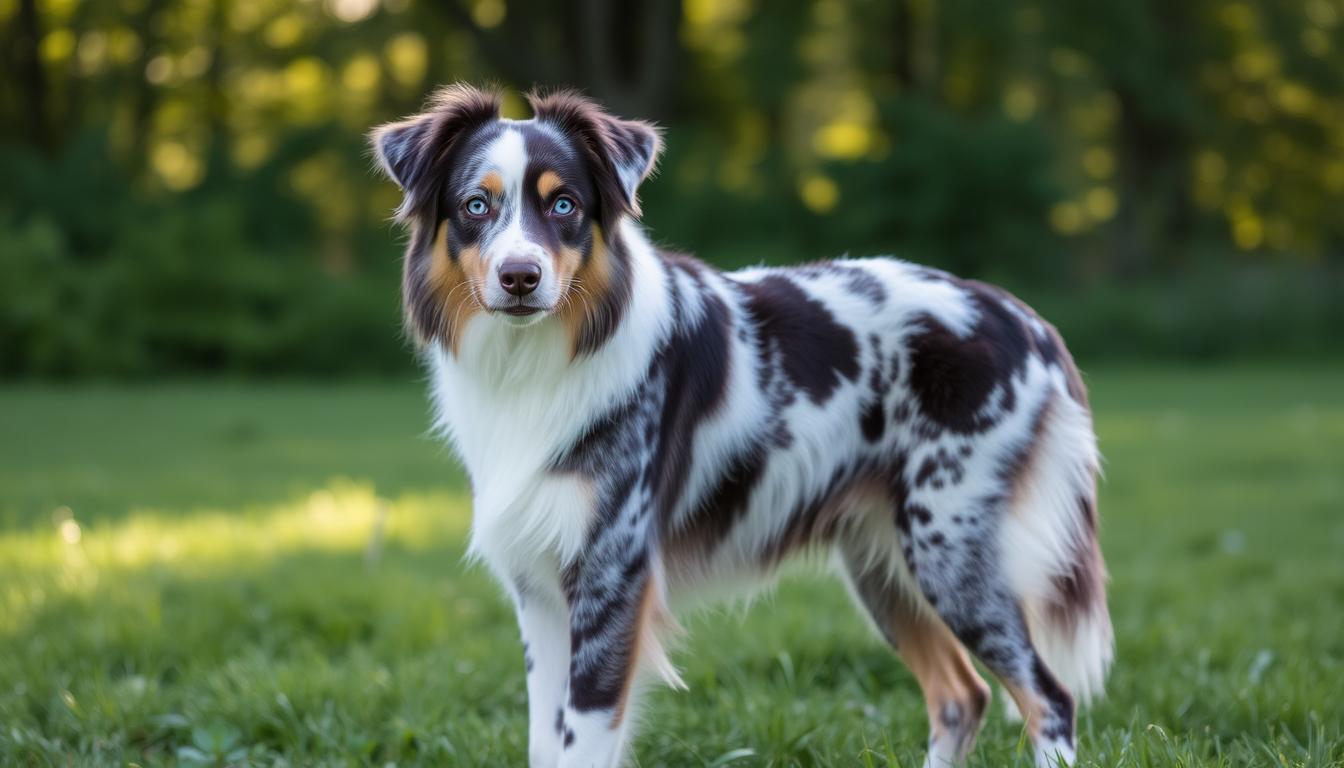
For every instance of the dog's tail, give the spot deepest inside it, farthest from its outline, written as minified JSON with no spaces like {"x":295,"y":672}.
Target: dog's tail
{"x":1072,"y":630}
{"x":1053,"y":556}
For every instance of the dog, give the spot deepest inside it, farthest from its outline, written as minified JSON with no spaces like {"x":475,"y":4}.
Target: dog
{"x":643,"y":431}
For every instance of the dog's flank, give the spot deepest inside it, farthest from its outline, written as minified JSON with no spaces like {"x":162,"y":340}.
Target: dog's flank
{"x":643,"y":432}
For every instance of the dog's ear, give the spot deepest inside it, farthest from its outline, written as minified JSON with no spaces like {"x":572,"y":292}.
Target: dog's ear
{"x":412,"y":151}
{"x":622,"y":153}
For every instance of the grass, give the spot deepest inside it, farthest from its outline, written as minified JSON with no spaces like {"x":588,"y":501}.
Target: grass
{"x":227,"y":574}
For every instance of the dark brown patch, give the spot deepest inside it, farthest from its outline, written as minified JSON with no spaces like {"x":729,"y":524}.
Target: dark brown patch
{"x":695,"y":364}
{"x":873,"y":420}
{"x":721,"y":507}
{"x":954,"y":376}
{"x":816,"y":352}
{"x":939,"y":469}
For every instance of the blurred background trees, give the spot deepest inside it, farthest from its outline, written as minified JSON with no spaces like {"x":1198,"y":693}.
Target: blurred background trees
{"x":186,"y":188}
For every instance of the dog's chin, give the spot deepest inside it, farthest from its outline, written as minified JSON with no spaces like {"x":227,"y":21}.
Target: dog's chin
{"x":520,"y":315}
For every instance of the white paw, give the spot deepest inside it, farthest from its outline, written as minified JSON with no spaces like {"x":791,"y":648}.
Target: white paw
{"x":1053,"y":754}
{"x":1011,"y":714}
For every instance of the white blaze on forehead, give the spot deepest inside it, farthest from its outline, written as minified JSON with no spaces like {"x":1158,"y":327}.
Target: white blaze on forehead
{"x":508,"y":156}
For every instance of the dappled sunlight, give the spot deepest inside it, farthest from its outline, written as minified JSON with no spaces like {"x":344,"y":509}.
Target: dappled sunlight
{"x":342,"y":517}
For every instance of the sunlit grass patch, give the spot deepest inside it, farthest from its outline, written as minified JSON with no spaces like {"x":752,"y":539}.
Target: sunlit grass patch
{"x":344,"y":518}
{"x":170,"y":637}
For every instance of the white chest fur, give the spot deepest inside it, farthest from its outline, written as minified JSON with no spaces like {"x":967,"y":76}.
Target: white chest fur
{"x":512,"y":400}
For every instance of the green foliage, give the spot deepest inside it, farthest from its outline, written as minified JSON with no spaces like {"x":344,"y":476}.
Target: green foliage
{"x":221,"y":599}
{"x":111,"y":281}
{"x":968,"y":195}
{"x":186,"y":188}
{"x":1206,"y":314}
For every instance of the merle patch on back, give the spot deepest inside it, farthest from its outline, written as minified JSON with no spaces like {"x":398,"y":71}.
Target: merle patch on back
{"x":694,"y":363}
{"x":815,"y":351}
{"x":954,"y":376}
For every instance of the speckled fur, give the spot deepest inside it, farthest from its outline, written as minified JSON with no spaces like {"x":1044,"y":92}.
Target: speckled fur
{"x":702,"y":427}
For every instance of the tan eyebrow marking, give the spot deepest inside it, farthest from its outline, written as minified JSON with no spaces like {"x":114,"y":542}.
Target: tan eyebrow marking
{"x":547,"y":183}
{"x":493,"y":183}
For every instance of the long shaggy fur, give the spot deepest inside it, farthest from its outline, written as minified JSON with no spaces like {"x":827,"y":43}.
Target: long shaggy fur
{"x":644,"y":432}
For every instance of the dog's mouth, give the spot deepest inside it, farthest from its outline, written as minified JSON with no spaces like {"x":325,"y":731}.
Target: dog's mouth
{"x":519,"y":312}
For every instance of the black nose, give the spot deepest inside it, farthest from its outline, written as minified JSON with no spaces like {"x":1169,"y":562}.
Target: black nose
{"x":519,"y":277}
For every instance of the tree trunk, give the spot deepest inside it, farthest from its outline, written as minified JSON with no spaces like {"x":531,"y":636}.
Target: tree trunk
{"x":623,"y":54}
{"x":32,"y":77}
{"x":1153,"y":221}
{"x":629,"y":65}
{"x":144,"y":98}
{"x":216,"y":102}
{"x":903,"y":43}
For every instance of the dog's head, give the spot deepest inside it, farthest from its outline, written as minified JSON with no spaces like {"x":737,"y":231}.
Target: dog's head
{"x":515,"y":221}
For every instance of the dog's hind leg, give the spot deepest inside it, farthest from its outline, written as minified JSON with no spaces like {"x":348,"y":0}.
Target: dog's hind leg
{"x":955,"y":694}
{"x":964,"y":580}
{"x":999,"y":637}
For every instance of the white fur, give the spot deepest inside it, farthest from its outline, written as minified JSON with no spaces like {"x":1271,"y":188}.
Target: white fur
{"x":1054,"y":752}
{"x":545,"y":619}
{"x":596,"y":743}
{"x":512,"y":399}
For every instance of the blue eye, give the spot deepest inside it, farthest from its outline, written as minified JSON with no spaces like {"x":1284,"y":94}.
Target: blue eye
{"x":477,"y":206}
{"x":563,"y":206}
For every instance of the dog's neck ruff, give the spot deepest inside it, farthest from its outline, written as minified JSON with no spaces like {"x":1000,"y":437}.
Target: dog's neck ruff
{"x":512,"y":399}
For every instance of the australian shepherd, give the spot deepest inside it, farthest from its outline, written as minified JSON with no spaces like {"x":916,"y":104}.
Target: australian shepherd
{"x":643,"y":431}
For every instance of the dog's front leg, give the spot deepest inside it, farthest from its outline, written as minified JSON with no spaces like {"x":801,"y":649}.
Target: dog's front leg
{"x":608,"y":614}
{"x":613,"y":587}
{"x":544,"y":624}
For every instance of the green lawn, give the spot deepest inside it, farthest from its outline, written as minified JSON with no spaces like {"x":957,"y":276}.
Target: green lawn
{"x":272,"y":575}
